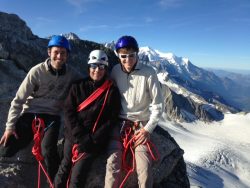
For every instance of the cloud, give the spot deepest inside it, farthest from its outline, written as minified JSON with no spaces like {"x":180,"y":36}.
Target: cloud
{"x":242,"y":20}
{"x":149,"y":20}
{"x":80,"y":5}
{"x":90,"y":27}
{"x":111,"y":27}
{"x":42,"y":22}
{"x":128,"y":25}
{"x":43,"y":19}
{"x":170,"y":3}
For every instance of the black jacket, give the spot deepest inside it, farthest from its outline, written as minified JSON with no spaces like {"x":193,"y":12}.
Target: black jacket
{"x":79,"y":125}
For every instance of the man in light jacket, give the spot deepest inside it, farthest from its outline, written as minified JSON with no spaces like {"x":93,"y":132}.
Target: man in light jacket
{"x":142,"y":104}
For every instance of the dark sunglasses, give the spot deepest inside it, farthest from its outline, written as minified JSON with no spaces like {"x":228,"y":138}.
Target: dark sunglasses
{"x":95,"y":65}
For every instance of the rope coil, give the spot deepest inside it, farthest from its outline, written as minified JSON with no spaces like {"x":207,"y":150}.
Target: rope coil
{"x":38,"y":127}
{"x":128,"y":138}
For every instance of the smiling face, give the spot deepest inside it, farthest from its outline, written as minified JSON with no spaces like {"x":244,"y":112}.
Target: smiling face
{"x":58,"y":56}
{"x":97,"y":71}
{"x":128,"y":58}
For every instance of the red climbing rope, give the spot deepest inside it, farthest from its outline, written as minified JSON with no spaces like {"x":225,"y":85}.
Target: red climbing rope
{"x":38,"y":127}
{"x":128,"y":144}
{"x":76,"y":156}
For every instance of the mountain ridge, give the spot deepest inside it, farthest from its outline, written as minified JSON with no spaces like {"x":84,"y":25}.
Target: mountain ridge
{"x":201,"y":81}
{"x":19,"y":51}
{"x":196,"y":79}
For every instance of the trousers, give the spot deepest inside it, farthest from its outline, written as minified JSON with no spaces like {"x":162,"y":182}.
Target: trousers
{"x":113,"y":177}
{"x":77,"y":172}
{"x":25,"y":136}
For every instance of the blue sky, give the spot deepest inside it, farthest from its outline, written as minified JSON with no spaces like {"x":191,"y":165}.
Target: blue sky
{"x":211,"y":33}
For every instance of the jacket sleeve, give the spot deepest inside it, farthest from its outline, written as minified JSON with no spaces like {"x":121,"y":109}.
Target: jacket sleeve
{"x":156,"y":102}
{"x":106,"y":123}
{"x":25,"y":90}
{"x":71,"y":115}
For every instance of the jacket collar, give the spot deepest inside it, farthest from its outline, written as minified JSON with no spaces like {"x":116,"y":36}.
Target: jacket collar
{"x":137,"y":66}
{"x":53,"y":71}
{"x":97,"y":84}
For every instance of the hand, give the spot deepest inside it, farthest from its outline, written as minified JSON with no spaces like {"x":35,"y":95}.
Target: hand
{"x":141,"y":137}
{"x":6,"y":136}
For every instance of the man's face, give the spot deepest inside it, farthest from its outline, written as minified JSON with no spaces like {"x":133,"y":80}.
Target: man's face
{"x":58,"y":56}
{"x":128,"y":58}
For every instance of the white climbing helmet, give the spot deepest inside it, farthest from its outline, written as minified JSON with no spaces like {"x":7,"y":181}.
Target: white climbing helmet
{"x":98,"y":56}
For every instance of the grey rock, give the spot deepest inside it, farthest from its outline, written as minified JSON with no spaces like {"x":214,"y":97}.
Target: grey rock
{"x":19,"y":51}
{"x":184,"y":109}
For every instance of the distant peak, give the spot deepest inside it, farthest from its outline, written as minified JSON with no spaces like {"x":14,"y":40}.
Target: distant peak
{"x":185,"y":60}
{"x":69,"y":36}
{"x":167,"y":55}
{"x":146,"y":48}
{"x":110,"y":45}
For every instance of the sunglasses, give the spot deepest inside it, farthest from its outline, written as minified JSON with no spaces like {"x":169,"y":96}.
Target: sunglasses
{"x":124,"y":56}
{"x":95,"y":65}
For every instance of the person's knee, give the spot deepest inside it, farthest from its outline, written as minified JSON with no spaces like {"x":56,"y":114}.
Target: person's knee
{"x":6,"y":151}
{"x":114,"y":163}
{"x":10,"y":149}
{"x":49,"y":148}
{"x":115,"y":157}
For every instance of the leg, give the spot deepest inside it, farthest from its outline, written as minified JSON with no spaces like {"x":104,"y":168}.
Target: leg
{"x":49,"y":146}
{"x":114,"y":161}
{"x":62,"y":175}
{"x":113,"y":169}
{"x":143,"y":167}
{"x":25,"y":136}
{"x":80,"y":171}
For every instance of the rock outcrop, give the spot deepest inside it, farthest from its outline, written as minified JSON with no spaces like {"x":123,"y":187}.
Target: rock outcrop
{"x":20,"y":49}
{"x":185,"y":109}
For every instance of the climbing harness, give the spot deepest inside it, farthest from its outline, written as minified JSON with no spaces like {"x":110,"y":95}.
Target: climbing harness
{"x":38,"y":128}
{"x":128,"y":138}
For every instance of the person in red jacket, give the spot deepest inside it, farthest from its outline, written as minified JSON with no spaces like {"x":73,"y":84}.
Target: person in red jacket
{"x":87,"y":130}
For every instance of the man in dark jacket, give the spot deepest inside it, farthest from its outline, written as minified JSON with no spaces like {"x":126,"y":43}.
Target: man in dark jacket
{"x":87,"y":130}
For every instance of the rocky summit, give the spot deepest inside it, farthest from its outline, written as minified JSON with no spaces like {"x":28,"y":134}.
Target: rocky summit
{"x":20,"y":49}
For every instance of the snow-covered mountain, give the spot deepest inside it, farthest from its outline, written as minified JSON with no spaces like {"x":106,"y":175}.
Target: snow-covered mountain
{"x":217,"y":154}
{"x":204,"y":83}
{"x":69,"y":36}
{"x":191,"y":92}
{"x":26,"y":50}
{"x":110,"y":45}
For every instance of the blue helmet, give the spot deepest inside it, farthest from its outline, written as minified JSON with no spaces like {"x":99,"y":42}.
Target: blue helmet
{"x":58,"y":40}
{"x":126,"y":42}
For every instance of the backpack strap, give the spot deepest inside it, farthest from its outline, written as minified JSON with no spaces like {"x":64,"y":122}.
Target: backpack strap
{"x":95,"y":95}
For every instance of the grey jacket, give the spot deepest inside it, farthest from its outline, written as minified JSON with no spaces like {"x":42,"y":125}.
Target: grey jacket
{"x":41,"y":92}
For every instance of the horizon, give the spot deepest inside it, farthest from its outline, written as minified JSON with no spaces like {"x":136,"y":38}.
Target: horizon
{"x":210,"y":33}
